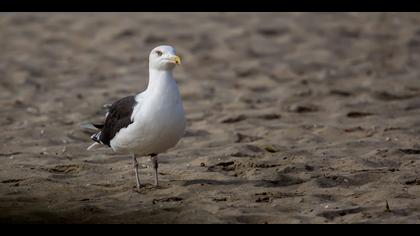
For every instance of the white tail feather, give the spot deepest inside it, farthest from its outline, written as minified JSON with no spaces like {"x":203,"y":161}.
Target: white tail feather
{"x":92,"y":146}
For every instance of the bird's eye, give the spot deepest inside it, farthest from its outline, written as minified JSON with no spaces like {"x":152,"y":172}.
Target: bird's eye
{"x":159,"y":53}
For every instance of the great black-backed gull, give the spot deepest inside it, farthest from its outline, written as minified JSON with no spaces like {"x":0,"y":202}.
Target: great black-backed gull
{"x":150,"y":122}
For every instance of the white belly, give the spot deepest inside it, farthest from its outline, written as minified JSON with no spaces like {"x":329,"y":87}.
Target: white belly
{"x":158,"y":125}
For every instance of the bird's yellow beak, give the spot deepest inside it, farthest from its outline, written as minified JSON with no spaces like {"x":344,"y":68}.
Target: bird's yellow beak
{"x":176,"y":60}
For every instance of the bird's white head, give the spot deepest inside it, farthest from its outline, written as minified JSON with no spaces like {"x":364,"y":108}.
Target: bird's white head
{"x":163,"y":58}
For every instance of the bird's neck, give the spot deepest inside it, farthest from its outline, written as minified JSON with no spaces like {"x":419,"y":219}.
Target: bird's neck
{"x":159,"y":79}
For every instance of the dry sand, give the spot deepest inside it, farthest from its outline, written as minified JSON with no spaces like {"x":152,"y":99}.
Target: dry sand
{"x":292,"y":118}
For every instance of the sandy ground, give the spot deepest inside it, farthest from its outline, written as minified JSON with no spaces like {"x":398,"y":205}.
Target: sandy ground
{"x":292,"y":118}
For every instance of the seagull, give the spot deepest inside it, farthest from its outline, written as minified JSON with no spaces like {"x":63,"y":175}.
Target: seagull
{"x":150,"y":122}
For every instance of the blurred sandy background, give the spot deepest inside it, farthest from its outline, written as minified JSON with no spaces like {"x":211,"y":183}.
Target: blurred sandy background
{"x":292,"y":118}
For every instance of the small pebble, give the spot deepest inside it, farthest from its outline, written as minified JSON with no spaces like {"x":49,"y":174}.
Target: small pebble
{"x":31,"y":110}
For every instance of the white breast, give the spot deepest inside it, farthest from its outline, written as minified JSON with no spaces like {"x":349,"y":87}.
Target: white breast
{"x":158,"y":121}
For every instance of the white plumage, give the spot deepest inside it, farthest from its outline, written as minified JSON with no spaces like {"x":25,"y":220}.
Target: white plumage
{"x":156,"y":121}
{"x":158,"y":117}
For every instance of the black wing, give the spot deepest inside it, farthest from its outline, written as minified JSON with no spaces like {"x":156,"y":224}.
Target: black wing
{"x":119,"y":116}
{"x":98,"y":126}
